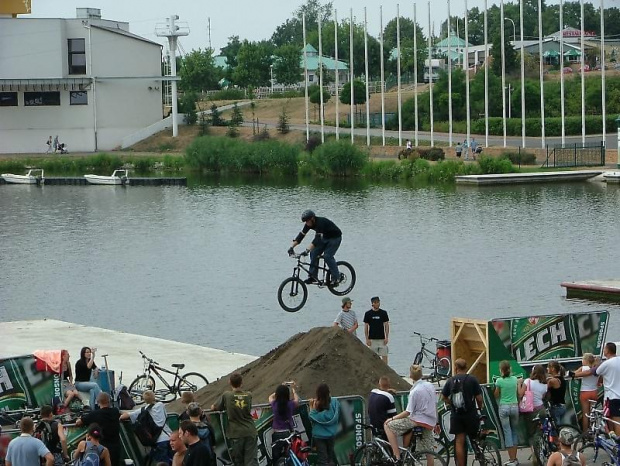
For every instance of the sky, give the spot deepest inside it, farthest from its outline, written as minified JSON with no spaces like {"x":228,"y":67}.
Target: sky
{"x":249,"y":19}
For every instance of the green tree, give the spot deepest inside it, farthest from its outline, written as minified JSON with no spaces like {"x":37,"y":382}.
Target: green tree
{"x":198,"y":71}
{"x":314,"y":95}
{"x":512,"y":64}
{"x":359,"y":93}
{"x":287,"y":65}
{"x":187,"y":105}
{"x":291,"y":31}
{"x":253,"y":65}
{"x":230,"y":51}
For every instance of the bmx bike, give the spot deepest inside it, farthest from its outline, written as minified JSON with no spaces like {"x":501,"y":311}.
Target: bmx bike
{"x":293,"y":292}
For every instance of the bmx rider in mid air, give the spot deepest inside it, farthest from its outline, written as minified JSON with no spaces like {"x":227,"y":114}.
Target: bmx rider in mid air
{"x":326,"y":241}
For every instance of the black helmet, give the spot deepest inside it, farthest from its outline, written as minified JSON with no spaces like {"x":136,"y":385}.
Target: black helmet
{"x":307,"y":215}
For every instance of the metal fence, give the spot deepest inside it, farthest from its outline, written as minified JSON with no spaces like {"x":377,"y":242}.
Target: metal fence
{"x":576,"y":155}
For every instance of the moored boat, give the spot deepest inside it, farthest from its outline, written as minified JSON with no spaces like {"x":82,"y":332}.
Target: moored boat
{"x":118,"y":177}
{"x":34,"y":176}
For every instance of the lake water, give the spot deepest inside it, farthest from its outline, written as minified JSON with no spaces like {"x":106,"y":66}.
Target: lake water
{"x":202,"y":264}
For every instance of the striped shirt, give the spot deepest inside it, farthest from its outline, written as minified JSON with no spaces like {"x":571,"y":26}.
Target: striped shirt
{"x":347,"y":320}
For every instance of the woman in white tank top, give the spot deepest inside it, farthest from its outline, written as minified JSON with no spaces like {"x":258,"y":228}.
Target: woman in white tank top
{"x":589,"y":388}
{"x":537,"y":384}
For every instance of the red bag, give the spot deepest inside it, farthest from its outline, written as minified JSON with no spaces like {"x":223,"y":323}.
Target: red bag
{"x":300,"y":448}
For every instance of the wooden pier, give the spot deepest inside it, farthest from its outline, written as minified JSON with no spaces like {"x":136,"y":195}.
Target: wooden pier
{"x":81,"y":181}
{"x":597,"y":290}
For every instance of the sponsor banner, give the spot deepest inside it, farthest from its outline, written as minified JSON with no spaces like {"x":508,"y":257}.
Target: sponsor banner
{"x":24,"y":385}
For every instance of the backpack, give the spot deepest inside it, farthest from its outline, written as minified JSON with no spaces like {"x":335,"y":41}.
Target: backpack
{"x":47,"y":432}
{"x":207,"y":438}
{"x":145,"y":428}
{"x":124,"y":399}
{"x":457,"y":397}
{"x":91,"y":456}
{"x":299,"y":447}
{"x":571,"y":460}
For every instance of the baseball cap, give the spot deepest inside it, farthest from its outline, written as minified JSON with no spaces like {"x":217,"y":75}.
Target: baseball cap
{"x":374,"y":298}
{"x":346,"y":300}
{"x":567,"y":436}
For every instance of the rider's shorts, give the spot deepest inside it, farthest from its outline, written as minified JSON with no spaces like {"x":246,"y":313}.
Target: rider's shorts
{"x":379,"y":347}
{"x":404,"y":425}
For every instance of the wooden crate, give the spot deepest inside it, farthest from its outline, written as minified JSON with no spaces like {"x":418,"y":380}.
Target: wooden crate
{"x":470,"y":342}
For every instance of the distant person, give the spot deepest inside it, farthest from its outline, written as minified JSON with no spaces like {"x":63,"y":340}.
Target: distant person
{"x":377,"y":329}
{"x":464,"y":422}
{"x":465,"y":150}
{"x":56,"y":144}
{"x":381,"y":405}
{"x":49,"y":145}
{"x":85,"y":371}
{"x":474,"y":147}
{"x":409,"y":146}
{"x":567,"y":440}
{"x":421,"y":411}
{"x":197,"y":453}
{"x":26,"y":450}
{"x":108,"y":418}
{"x":178,"y":447}
{"x":324,"y":415}
{"x":458,"y":149}
{"x":346,"y":318}
{"x":284,"y":401}
{"x":326,"y":241}
{"x":157,"y":410}
{"x":52,"y":433}
{"x":91,"y":446}
{"x":241,"y":431}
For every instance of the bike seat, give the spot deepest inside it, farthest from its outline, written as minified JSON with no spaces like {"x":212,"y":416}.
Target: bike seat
{"x":418,"y":431}
{"x":180,"y":366}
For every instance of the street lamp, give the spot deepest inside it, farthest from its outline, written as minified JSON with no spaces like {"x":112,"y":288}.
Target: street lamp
{"x":271,"y":75}
{"x":514,"y":30}
{"x":618,"y":160}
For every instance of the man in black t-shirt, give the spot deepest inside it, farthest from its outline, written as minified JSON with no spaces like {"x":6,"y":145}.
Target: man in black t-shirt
{"x":377,"y":329}
{"x":108,"y":419}
{"x":326,"y":241}
{"x":464,"y":422}
{"x":197,"y":454}
{"x":381,"y":405}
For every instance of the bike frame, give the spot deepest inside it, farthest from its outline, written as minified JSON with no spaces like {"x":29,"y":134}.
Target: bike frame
{"x":607,"y":445}
{"x":151,"y":367}
{"x":305,"y":266}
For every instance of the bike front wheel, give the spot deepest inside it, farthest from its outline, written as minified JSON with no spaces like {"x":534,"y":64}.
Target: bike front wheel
{"x":488,"y":455}
{"x":423,"y":458}
{"x":166,"y":395}
{"x":540,"y":451}
{"x":347,"y":279}
{"x":443,"y":367}
{"x":192,"y":382}
{"x":367,"y":455}
{"x":442,"y":448}
{"x":417,"y":360}
{"x":593,"y":454}
{"x":141,"y":384}
{"x":292,"y":294}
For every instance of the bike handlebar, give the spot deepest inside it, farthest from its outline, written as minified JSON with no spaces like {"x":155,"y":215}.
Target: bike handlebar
{"x":144,"y":356}
{"x":424,"y":336}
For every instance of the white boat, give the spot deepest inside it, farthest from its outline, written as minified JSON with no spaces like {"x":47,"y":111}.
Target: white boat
{"x":118,"y":177}
{"x":34,"y":176}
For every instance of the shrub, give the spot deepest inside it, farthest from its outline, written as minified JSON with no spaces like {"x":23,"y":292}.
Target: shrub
{"x":187,"y":105}
{"x":313,"y":142}
{"x":490,"y":165}
{"x":431,"y":153}
{"x":216,"y":116}
{"x":339,"y":158}
{"x":520,"y":158}
{"x":283,"y":122}
{"x":262,"y":135}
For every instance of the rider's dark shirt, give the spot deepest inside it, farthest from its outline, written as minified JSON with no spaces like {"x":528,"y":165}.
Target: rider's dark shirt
{"x":323,"y":227}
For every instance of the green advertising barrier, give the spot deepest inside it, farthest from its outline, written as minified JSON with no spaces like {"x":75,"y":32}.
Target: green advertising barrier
{"x":22,"y":384}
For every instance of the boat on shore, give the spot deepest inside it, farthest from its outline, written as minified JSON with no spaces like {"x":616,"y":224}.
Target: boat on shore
{"x":34,"y":176}
{"x":118,"y":177}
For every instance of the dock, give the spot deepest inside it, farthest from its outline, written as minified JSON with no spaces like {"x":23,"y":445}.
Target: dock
{"x":23,"y":337}
{"x":81,"y":181}
{"x":612,"y":177}
{"x":527,"y":178}
{"x":598,"y":290}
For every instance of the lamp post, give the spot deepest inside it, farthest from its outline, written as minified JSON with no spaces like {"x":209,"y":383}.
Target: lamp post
{"x":271,"y":76}
{"x":618,"y":160}
{"x":514,"y":30}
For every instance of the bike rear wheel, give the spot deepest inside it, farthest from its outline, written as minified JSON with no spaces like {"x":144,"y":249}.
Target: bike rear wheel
{"x":367,"y":455}
{"x":192,"y":382}
{"x":140,"y":384}
{"x":421,"y":458}
{"x":417,"y":360}
{"x":489,"y":455}
{"x":443,"y":367}
{"x":540,"y":451}
{"x":347,"y":282}
{"x":165,"y":395}
{"x":593,"y":454}
{"x":292,"y":294}
{"x":442,"y":448}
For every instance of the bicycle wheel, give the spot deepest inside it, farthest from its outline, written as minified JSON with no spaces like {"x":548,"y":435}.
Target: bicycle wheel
{"x":593,"y":454}
{"x":417,"y":360}
{"x":367,"y":455}
{"x":489,"y":455}
{"x":141,"y":384}
{"x":423,"y":458}
{"x":192,"y":382}
{"x":292,"y":294}
{"x":166,"y":395}
{"x":443,"y":367}
{"x":540,"y":451}
{"x":442,"y":448}
{"x":347,"y":282}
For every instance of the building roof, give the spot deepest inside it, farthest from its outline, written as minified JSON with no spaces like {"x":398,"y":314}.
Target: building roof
{"x":122,"y":32}
{"x":453,"y":41}
{"x":313,"y":60}
{"x":221,"y":61}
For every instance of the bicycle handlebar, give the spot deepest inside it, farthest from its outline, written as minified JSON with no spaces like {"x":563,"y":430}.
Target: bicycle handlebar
{"x":144,"y":356}
{"x":425,"y":337}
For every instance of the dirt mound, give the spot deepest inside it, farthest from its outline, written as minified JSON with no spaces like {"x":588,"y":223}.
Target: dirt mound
{"x":324,"y":354}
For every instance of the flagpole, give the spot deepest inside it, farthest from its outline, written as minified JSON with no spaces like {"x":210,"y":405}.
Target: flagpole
{"x":399,"y":95}
{"x":449,"y":79}
{"x":322,"y":117}
{"x":603,"y":103}
{"x":467,"y":103}
{"x":430,"y":74}
{"x":540,"y":68}
{"x":503,"y":49}
{"x":415,"y":72}
{"x":562,"y":105}
{"x":486,"y":75}
{"x":352,"y":87}
{"x":336,"y":81}
{"x":522,"y":74}
{"x":367,"y":83}
{"x":303,"y":23}
{"x":382,"y":76}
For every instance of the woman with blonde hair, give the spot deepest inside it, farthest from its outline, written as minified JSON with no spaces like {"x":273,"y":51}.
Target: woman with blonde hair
{"x":589,"y":388}
{"x":68,"y":388}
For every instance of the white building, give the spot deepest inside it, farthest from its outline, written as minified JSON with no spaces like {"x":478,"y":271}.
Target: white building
{"x":88,"y":80}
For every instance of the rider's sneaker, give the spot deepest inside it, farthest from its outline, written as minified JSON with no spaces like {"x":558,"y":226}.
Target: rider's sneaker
{"x":337,"y":282}
{"x":310,"y":281}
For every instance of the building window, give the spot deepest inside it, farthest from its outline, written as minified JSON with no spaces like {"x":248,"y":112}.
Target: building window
{"x":8,"y":99}
{"x":78,"y":98}
{"x":77,"y":56}
{"x":37,"y":99}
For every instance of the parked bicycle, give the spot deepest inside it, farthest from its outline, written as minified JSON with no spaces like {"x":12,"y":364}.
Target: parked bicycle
{"x":293,"y":453}
{"x":378,"y":452}
{"x":189,"y":382}
{"x":485,"y":452}
{"x":596,"y":438}
{"x":440,"y":365}
{"x":545,"y":442}
{"x":293,"y":292}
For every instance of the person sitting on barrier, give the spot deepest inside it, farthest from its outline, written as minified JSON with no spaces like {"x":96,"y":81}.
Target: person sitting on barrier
{"x":421,"y":411}
{"x":283,"y":403}
{"x":68,"y":388}
{"x":85,"y":371}
{"x":556,"y":387}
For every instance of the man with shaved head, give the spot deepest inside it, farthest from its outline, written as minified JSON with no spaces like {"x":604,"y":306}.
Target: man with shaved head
{"x":178,"y":447}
